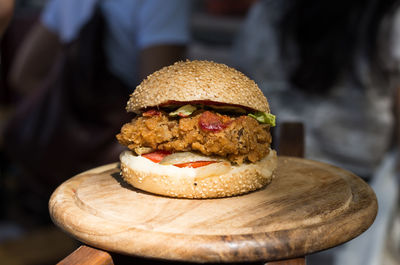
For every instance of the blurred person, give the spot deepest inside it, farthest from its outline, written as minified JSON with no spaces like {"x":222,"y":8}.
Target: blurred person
{"x":335,"y":67}
{"x":6,"y":11}
{"x":140,"y":37}
{"x":75,"y":71}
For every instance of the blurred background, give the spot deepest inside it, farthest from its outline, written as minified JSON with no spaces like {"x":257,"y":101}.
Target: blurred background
{"x":68,"y":66}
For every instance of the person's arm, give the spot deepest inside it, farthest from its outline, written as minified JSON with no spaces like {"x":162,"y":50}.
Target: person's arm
{"x":34,"y":59}
{"x":155,"y":57}
{"x":6,"y":11}
{"x":162,"y":38}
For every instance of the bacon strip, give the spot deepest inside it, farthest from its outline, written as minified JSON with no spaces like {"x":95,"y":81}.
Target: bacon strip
{"x":209,"y":121}
{"x":151,"y":113}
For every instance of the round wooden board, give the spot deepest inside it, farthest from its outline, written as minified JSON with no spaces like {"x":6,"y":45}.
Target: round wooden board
{"x":308,"y":207}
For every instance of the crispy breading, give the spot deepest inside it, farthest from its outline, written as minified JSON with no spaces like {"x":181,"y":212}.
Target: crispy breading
{"x":243,"y":139}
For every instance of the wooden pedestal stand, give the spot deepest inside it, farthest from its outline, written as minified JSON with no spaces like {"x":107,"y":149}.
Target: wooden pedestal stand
{"x":308,"y":207}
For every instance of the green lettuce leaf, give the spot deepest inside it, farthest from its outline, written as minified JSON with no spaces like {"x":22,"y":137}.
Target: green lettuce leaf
{"x":263,"y":117}
{"x":183,"y":111}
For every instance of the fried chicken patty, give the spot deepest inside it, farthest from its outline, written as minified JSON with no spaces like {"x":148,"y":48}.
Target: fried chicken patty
{"x":239,"y":139}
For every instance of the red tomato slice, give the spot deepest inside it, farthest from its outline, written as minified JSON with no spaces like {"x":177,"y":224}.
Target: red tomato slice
{"x":195,"y":164}
{"x":156,"y":156}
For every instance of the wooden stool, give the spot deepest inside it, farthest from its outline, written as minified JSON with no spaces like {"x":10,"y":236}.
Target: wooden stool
{"x":308,"y":207}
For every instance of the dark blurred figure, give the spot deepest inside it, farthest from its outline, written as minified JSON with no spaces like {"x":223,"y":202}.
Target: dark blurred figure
{"x":75,"y":71}
{"x":335,"y":66}
{"x":332,"y":65}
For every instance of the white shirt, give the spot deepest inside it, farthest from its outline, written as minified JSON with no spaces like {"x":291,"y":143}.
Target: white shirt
{"x":131,"y":25}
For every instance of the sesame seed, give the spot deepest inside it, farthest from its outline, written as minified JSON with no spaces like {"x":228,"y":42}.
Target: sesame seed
{"x":191,"y":80}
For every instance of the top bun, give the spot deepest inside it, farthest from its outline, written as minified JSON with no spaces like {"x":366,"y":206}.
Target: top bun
{"x":197,"y":81}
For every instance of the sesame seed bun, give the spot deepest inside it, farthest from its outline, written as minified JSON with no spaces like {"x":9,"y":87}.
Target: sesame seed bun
{"x":172,"y":181}
{"x":197,"y":81}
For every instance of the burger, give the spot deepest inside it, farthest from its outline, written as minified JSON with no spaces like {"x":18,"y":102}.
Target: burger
{"x":201,"y":130}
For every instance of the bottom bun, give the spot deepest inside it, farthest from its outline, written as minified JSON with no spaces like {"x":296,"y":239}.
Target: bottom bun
{"x":199,"y":182}
{"x":172,"y":181}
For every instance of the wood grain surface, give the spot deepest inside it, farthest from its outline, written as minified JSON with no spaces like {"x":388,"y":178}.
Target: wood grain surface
{"x":297,"y":261}
{"x":308,"y":207}
{"x":87,"y":256}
